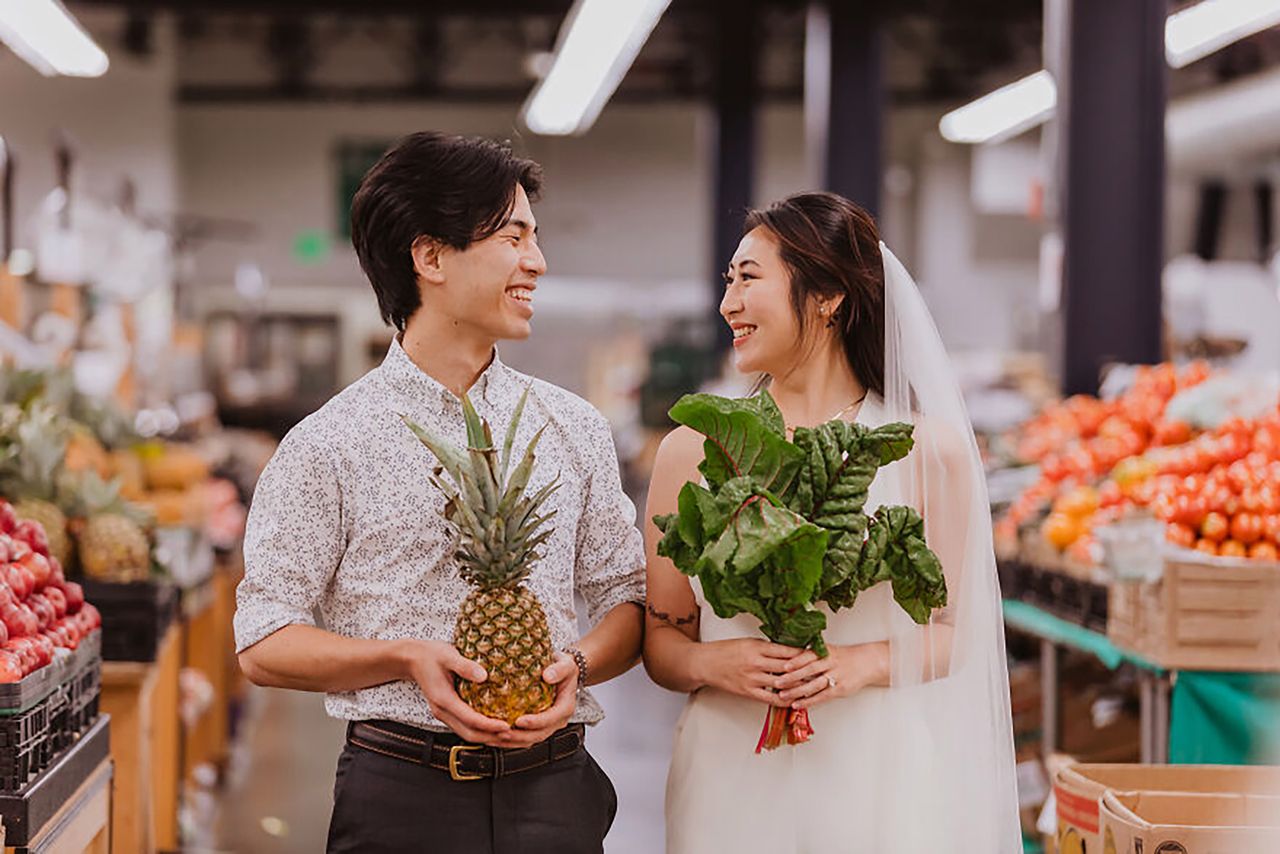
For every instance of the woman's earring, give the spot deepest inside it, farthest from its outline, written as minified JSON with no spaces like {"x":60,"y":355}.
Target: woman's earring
{"x":831,"y":319}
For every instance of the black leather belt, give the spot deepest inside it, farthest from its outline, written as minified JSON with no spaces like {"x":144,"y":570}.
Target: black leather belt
{"x":461,"y":759}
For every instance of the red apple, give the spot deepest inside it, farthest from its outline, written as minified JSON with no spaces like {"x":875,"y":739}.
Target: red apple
{"x":58,"y":599}
{"x":8,"y":521}
{"x":10,"y":667}
{"x":32,"y":533}
{"x":21,"y":580}
{"x":38,"y":565}
{"x":75,"y":596}
{"x":43,"y":609}
{"x":95,"y":619}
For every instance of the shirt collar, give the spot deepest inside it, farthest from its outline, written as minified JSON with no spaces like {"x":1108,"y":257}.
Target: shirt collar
{"x":406,"y":377}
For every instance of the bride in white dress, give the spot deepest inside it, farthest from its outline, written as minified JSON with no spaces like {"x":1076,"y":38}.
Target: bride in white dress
{"x":913,"y":748}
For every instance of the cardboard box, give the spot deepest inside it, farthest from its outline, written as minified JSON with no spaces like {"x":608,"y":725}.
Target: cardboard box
{"x":1078,"y":791}
{"x":1206,"y":613}
{"x":1189,"y":823}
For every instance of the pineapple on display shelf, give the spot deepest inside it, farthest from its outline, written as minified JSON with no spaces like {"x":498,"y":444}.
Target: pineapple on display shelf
{"x":112,"y":539}
{"x":501,"y":624}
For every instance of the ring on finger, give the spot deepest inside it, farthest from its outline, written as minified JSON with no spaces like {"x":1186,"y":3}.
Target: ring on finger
{"x":831,"y":681}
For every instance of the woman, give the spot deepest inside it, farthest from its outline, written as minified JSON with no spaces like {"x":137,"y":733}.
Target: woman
{"x":913,"y":749}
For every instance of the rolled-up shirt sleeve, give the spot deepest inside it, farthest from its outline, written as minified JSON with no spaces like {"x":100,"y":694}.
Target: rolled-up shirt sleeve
{"x":294,"y":540}
{"x":610,"y":548}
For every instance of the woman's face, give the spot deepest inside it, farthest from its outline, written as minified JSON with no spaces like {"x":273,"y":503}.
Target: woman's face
{"x":757,"y":307}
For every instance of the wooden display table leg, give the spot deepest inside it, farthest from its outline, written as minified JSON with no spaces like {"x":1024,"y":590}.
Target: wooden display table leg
{"x":166,"y":745}
{"x":141,"y":698}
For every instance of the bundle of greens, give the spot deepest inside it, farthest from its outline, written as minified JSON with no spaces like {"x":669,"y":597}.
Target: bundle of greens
{"x":779,"y":527}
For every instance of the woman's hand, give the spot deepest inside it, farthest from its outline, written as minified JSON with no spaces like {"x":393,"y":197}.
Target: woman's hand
{"x":810,"y":680}
{"x":747,"y":667}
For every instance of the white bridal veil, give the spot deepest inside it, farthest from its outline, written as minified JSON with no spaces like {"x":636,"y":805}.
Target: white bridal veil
{"x":955,"y":663}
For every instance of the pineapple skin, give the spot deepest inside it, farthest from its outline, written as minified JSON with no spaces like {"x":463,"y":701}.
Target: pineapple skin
{"x":114,"y":548}
{"x":505,"y":631}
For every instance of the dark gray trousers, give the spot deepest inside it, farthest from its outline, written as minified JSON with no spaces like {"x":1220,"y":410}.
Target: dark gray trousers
{"x":384,"y":805}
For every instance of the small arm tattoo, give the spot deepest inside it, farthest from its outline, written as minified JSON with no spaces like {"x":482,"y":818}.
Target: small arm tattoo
{"x":667,"y":618}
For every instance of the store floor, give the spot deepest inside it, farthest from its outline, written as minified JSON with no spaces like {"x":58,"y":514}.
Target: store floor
{"x":280,"y":782}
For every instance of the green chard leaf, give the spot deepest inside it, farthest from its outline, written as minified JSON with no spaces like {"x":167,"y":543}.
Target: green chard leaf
{"x":744,"y":439}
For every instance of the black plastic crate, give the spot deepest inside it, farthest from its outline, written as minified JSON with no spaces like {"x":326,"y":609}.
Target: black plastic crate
{"x":135,"y":616}
{"x":26,"y":744}
{"x":26,"y":811}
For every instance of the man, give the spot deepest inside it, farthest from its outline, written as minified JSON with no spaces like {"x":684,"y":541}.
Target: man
{"x":345,"y":521}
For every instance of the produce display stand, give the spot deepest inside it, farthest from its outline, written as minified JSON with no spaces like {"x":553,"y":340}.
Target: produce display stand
{"x":206,"y":640}
{"x":1054,"y":633}
{"x":142,"y":699}
{"x":66,"y":808}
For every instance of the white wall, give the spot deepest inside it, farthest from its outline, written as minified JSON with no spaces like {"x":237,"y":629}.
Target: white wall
{"x":121,"y":124}
{"x":628,"y":200}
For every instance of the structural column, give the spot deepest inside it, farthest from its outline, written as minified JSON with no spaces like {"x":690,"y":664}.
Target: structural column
{"x":1111,"y":102}
{"x":733,"y":141}
{"x":844,"y":99}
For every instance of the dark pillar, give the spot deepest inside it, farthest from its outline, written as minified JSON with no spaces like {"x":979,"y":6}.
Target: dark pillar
{"x":1112,"y":99}
{"x":844,"y":98}
{"x":733,"y":140}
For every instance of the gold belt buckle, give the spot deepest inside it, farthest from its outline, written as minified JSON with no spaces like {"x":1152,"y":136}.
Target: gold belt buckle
{"x":453,"y":762}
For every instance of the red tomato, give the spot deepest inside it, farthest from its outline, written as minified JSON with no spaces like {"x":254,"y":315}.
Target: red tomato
{"x":1246,"y":527}
{"x":1209,"y":547}
{"x":1215,"y":527}
{"x":1180,"y":535}
{"x":1232,"y":548}
{"x":1264,"y":551}
{"x":1272,"y":526}
{"x":1189,"y":509}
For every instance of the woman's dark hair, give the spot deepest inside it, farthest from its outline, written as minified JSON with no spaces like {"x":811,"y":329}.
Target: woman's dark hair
{"x":454,"y":189}
{"x":831,"y":247}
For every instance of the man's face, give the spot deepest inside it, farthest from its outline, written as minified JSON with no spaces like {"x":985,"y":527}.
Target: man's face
{"x":488,"y":287}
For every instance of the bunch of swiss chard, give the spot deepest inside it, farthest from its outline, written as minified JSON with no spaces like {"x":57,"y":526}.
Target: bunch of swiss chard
{"x":779,"y":527}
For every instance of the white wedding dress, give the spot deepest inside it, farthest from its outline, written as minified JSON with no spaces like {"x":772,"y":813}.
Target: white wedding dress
{"x":862,"y":783}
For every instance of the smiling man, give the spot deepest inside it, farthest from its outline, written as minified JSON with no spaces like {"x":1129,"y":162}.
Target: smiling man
{"x":345,"y":522}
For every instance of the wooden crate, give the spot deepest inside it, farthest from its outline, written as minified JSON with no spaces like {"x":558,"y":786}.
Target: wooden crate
{"x":1204,"y":614}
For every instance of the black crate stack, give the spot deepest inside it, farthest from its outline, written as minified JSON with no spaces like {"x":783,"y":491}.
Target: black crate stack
{"x":45,"y":713}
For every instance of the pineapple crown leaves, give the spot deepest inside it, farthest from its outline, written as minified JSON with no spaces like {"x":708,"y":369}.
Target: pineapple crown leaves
{"x":501,"y":527}
{"x":36,"y":443}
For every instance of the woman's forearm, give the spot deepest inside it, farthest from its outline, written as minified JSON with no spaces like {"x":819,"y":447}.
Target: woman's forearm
{"x":673,"y":659}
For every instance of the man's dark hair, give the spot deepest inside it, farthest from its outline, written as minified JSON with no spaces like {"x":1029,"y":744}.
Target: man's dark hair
{"x":454,"y":189}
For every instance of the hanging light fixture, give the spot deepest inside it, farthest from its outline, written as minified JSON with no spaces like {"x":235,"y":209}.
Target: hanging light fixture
{"x":50,"y":39}
{"x":598,"y":42}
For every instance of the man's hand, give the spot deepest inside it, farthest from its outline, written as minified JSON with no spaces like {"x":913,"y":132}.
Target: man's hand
{"x":432,"y":665}
{"x":531,"y":729}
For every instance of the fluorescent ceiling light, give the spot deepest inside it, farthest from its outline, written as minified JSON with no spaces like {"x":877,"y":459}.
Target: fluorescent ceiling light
{"x":1191,"y":34}
{"x":1006,"y":112}
{"x":598,"y":43}
{"x":49,"y":38}
{"x":1211,"y":25}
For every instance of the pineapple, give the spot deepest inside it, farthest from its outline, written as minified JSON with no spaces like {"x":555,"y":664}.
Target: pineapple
{"x":501,"y":624}
{"x":113,"y":542}
{"x":114,"y":548}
